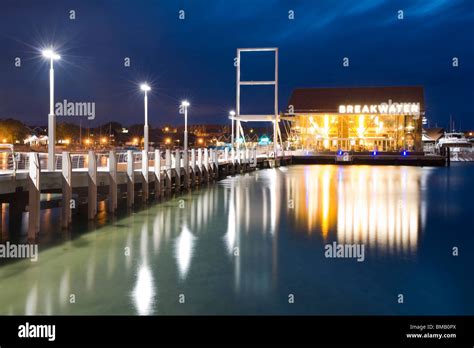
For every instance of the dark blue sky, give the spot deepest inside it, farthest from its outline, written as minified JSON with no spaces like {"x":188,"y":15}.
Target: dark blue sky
{"x":193,"y":58}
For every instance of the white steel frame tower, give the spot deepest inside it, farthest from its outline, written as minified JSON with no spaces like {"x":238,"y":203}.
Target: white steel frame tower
{"x":257,"y":118}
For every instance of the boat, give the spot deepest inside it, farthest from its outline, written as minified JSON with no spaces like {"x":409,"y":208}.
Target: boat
{"x":454,"y":139}
{"x":460,"y":148}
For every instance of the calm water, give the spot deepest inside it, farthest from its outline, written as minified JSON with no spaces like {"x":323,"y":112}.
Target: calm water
{"x":277,"y":221}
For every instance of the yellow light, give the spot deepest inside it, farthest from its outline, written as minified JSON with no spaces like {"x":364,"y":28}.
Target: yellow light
{"x":251,"y":131}
{"x":166,"y":129}
{"x":135,"y":140}
{"x":326,"y":124}
{"x":470,"y":134}
{"x":200,"y":141}
{"x":4,"y":140}
{"x":88,"y":141}
{"x":360,"y":130}
{"x":67,"y":141}
{"x":104,"y":140}
{"x":167,"y":140}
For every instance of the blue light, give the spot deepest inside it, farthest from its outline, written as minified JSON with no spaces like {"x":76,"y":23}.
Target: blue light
{"x":374,"y":153}
{"x":339,"y":152}
{"x":404,"y":153}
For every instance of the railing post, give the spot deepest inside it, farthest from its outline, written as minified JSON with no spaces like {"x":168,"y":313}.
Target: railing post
{"x":34,"y":195}
{"x":130,"y":179}
{"x":237,"y":160}
{"x":216,"y":165}
{"x":66,"y":189}
{"x":186,"y":169}
{"x":169,"y":173}
{"x":157,"y":173}
{"x":226,"y":155}
{"x":211,"y":164}
{"x":199,"y":152}
{"x":193,"y":167}
{"x":112,"y":181}
{"x":206,"y":165}
{"x":145,"y":176}
{"x":177,"y":169}
{"x":92,"y":186}
{"x":232,"y":158}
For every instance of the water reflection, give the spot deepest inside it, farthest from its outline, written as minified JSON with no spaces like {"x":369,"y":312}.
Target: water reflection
{"x":375,"y":206}
{"x":236,"y":240}
{"x":144,"y":291}
{"x":184,"y":251}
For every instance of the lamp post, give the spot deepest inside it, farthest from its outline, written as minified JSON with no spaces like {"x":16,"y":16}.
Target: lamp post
{"x":145,"y":88}
{"x":232,"y":114}
{"x":185,"y":105}
{"x":52,"y":56}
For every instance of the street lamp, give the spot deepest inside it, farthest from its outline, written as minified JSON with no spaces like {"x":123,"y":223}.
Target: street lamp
{"x":52,"y":56}
{"x":185,"y":105}
{"x":232,"y":114}
{"x":145,"y":88}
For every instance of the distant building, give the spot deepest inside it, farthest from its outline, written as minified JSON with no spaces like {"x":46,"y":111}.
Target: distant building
{"x":357,"y":118}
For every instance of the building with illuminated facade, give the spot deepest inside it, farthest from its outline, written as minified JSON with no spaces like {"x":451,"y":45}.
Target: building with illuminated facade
{"x":356,"y":118}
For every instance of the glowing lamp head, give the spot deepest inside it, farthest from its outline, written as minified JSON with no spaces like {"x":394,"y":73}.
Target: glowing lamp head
{"x":374,"y":153}
{"x":185,"y":103}
{"x":145,"y":87}
{"x":50,"y":54}
{"x":232,"y":113}
{"x":404,"y":153}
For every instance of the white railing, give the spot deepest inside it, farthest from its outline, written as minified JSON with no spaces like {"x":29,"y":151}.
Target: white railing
{"x":12,"y":162}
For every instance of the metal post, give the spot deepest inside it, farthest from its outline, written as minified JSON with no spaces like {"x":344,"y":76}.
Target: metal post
{"x":200,"y":164}
{"x":66,"y":189}
{"x":193,"y":167}
{"x":51,"y":121}
{"x":34,"y":194}
{"x":145,"y":127}
{"x":145,"y":176}
{"x":206,"y":165}
{"x":169,"y":174}
{"x":275,"y":127}
{"x":112,"y":181}
{"x":232,"y":138}
{"x":157,"y":173}
{"x":92,"y":186}
{"x":177,"y":168}
{"x":130,"y":179}
{"x":186,"y":130}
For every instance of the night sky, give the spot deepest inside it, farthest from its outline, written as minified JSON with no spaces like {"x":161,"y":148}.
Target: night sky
{"x":193,"y":58}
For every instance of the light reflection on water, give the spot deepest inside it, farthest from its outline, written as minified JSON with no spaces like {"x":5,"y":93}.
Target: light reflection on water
{"x":374,"y":206}
{"x":242,"y":245}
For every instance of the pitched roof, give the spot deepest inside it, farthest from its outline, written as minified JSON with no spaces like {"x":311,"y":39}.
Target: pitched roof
{"x":329,"y":99}
{"x":434,"y":133}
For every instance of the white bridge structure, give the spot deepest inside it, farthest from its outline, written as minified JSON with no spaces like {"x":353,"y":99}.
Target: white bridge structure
{"x":86,"y":178}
